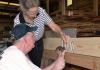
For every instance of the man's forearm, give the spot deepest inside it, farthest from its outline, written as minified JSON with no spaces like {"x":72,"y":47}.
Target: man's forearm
{"x":50,"y":67}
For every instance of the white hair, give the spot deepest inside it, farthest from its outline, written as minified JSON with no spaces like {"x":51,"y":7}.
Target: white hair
{"x":27,"y":4}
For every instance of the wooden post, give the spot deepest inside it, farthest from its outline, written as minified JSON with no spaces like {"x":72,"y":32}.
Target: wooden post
{"x":75,"y":4}
{"x":47,"y":6}
{"x":63,"y":7}
{"x":60,"y":5}
{"x":95,"y":7}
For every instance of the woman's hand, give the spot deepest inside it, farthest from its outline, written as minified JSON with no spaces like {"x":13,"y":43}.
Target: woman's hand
{"x":65,"y":38}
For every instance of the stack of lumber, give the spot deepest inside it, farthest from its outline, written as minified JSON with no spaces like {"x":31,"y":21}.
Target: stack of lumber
{"x":85,"y":26}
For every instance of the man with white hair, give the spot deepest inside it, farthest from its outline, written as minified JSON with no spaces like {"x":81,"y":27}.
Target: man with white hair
{"x":14,"y":57}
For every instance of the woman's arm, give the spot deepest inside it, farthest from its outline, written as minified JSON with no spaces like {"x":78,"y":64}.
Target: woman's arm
{"x":58,"y":30}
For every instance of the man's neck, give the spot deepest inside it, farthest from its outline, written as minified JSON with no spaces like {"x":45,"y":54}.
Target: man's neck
{"x":21,"y":46}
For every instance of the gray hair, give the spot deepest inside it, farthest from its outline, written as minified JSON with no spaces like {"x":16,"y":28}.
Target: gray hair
{"x":25,"y":5}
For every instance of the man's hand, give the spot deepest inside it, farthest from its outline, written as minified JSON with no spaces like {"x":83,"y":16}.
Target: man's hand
{"x":60,"y":62}
{"x":60,"y":48}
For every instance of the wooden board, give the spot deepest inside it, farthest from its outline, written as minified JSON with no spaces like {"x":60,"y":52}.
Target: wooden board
{"x":85,"y":46}
{"x":85,"y":61}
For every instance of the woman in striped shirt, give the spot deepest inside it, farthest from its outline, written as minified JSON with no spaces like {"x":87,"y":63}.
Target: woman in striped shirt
{"x":33,"y":15}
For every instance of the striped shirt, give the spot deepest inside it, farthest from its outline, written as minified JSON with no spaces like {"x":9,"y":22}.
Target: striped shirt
{"x":40,"y":21}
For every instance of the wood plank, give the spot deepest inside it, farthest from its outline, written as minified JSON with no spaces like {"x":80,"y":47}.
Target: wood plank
{"x":97,"y":64}
{"x":75,"y":59}
{"x":85,"y":54}
{"x":88,"y":46}
{"x":85,"y":46}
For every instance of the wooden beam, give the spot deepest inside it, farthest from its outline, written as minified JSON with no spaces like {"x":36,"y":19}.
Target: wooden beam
{"x":95,"y":7}
{"x":63,"y":4}
{"x":85,"y":46}
{"x":89,"y":62}
{"x":86,"y":52}
{"x":75,"y":59}
{"x":75,"y":4}
{"x":47,"y":6}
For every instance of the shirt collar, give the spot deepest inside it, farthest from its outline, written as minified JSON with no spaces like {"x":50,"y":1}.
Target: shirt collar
{"x":21,"y":17}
